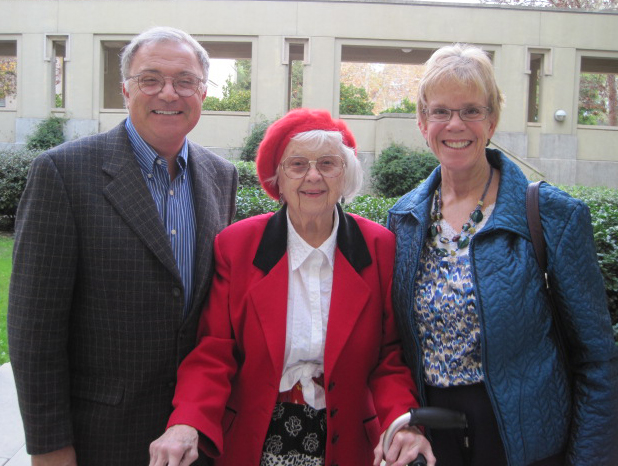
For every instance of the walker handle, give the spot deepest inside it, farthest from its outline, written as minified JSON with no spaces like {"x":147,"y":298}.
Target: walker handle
{"x":432,"y":417}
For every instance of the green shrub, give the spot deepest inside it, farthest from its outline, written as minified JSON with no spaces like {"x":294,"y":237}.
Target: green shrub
{"x":48,"y":134}
{"x":406,"y":106}
{"x":237,"y":102}
{"x":252,"y":141}
{"x":603,"y":204}
{"x":373,"y":208}
{"x":354,"y":100}
{"x":247,"y":176}
{"x":14,"y":166}
{"x":253,"y":201}
{"x":400,"y":169}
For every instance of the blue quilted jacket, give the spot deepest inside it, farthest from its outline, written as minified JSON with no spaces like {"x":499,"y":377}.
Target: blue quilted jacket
{"x":538,"y":411}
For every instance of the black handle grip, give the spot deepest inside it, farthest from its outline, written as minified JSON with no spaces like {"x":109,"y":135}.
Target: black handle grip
{"x":419,"y":461}
{"x":438,"y":418}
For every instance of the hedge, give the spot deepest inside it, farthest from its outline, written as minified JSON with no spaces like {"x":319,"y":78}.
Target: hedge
{"x":252,"y":200}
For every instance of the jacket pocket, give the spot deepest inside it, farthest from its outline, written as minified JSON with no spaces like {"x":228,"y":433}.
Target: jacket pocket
{"x":100,"y":390}
{"x":372,"y":429}
{"x":228,"y":419}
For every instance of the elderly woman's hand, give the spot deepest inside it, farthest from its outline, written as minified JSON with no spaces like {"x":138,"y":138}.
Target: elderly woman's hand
{"x":407,"y":444}
{"x":176,"y":447}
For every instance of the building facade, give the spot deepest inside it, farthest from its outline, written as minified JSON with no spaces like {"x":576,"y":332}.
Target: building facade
{"x":66,"y":63}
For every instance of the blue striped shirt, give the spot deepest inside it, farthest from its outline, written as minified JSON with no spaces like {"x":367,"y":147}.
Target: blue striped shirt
{"x":174,"y":200}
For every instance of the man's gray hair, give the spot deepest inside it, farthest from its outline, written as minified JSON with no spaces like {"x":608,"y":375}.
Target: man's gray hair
{"x":162,"y":34}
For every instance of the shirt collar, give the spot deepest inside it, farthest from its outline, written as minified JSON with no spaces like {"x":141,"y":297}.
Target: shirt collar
{"x":299,"y":250}
{"x":146,"y":156}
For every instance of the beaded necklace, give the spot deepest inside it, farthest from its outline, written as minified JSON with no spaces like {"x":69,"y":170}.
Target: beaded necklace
{"x":462,"y":240}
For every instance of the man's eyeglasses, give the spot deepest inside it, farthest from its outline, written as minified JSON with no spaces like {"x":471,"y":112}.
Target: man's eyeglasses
{"x":151,"y":83}
{"x":466,"y":114}
{"x":329,"y":166}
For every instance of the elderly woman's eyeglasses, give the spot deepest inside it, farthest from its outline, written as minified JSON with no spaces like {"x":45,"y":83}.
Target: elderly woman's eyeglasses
{"x":472,"y":113}
{"x":329,"y":166}
{"x":151,"y":83}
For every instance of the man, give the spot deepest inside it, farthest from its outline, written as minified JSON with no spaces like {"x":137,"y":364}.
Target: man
{"x":112,"y":262}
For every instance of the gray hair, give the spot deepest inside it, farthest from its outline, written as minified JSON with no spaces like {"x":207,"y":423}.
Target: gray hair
{"x":162,"y":34}
{"x":463,"y":64}
{"x":353,"y":173}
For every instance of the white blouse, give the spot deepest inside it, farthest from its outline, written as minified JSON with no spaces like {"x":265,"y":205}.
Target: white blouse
{"x":310,"y":281}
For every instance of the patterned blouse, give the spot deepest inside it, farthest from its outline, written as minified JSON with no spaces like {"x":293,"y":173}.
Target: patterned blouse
{"x":446,"y":314}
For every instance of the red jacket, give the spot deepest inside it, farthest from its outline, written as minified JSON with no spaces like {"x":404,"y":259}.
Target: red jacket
{"x":228,"y":385}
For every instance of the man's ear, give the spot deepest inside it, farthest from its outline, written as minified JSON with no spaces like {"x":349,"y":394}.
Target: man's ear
{"x":125,"y":93}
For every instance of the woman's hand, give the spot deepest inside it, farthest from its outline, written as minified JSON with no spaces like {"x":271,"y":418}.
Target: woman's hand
{"x":176,"y":447}
{"x":407,"y":444}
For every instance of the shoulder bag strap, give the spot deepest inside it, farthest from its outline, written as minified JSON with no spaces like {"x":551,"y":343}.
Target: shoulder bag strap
{"x":539,"y":245}
{"x":534,"y":224}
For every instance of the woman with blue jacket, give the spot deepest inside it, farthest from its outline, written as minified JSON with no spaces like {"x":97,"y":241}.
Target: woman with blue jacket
{"x":471,"y":300}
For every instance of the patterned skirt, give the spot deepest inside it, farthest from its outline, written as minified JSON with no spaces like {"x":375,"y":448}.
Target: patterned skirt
{"x":296,"y":436}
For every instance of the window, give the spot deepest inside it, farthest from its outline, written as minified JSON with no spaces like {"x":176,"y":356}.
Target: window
{"x":598,"y":92}
{"x":8,"y":74}
{"x":57,"y":53}
{"x":537,"y":67}
{"x":112,"y":80}
{"x":229,"y":77}
{"x":376,"y":79}
{"x":296,"y":54}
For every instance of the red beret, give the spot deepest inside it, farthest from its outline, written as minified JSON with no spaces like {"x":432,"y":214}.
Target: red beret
{"x":278,"y":135}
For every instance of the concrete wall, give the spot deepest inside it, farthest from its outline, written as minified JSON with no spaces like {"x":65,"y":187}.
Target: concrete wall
{"x":563,"y":151}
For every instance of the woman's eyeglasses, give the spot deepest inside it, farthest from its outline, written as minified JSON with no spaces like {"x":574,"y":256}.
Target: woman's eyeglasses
{"x":329,"y":166}
{"x":466,"y":114}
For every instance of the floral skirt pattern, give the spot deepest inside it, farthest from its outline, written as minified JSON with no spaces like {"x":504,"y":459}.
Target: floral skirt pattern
{"x":296,"y":436}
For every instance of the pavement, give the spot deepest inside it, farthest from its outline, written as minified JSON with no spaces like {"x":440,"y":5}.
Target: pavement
{"x":12,"y":441}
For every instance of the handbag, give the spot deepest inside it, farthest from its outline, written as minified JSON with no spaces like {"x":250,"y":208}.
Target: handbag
{"x":538,"y":243}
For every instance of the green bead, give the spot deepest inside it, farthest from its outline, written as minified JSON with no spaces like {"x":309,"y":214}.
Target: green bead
{"x":463,"y":242}
{"x":442,"y":252}
{"x":466,"y":226}
{"x":433,"y":231}
{"x":476,"y":216}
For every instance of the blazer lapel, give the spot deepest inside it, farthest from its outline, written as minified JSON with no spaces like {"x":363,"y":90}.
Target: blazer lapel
{"x":270,"y":300}
{"x":128,"y":194}
{"x":205,"y":228}
{"x":348,"y":300}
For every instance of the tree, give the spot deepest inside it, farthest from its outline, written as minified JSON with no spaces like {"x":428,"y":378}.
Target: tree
{"x":8,"y":77}
{"x":405,"y":106}
{"x":612,"y":98}
{"x":296,"y":97}
{"x":387,"y":85}
{"x":569,"y":4}
{"x":236,"y":94}
{"x":354,"y":100}
{"x":598,"y":101}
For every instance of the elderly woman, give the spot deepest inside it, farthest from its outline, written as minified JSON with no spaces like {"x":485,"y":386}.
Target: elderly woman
{"x":470,"y":298}
{"x":299,"y":361}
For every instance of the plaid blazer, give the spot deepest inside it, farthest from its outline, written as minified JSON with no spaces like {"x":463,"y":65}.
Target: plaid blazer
{"x":95,"y":321}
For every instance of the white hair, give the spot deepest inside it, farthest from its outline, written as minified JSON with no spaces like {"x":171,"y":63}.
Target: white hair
{"x":316,"y":139}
